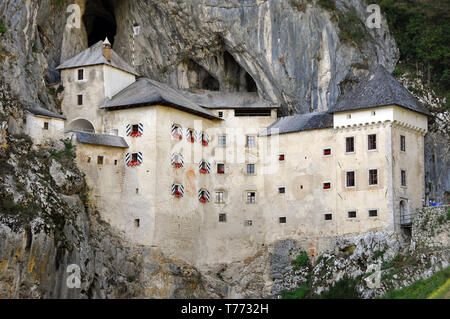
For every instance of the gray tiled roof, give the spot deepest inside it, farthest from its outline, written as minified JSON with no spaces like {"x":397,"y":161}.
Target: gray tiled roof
{"x":101,"y":139}
{"x":224,"y":100}
{"x":44,"y":112}
{"x":94,"y":56}
{"x":147,"y":92}
{"x":300,"y":122}
{"x":378,"y":89}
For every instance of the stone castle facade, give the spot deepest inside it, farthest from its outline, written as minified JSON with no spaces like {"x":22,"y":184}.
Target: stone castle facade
{"x":213,"y":177}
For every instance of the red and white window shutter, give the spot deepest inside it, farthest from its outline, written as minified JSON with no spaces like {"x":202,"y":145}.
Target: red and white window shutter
{"x":204,"y":196}
{"x":177,"y":190}
{"x":177,"y":160}
{"x":204,"y":167}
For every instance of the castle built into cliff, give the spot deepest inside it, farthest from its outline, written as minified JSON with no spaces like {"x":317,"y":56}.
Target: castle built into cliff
{"x":214,"y":177}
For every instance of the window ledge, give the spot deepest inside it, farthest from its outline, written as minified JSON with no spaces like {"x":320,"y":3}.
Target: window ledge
{"x":350,"y":153}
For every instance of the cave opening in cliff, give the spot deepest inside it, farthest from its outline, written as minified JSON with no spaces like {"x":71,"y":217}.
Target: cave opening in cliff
{"x":198,"y":77}
{"x":237,"y":78}
{"x":100,"y":21}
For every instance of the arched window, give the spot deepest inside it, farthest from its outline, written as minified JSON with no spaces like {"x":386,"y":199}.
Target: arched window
{"x":81,"y":125}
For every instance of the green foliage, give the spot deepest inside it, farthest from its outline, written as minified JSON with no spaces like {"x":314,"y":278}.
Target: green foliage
{"x":378,"y":254}
{"x":391,"y":263}
{"x":420,"y":28}
{"x":351,"y":29}
{"x":420,"y":289}
{"x":327,"y":4}
{"x":67,"y":152}
{"x":342,"y":289}
{"x":299,"y":293}
{"x":301,"y":261}
{"x":2,"y":27}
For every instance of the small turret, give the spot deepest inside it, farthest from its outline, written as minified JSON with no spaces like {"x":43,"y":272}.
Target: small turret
{"x":107,"y":49}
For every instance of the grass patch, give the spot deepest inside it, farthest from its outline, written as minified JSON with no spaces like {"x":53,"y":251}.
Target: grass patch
{"x":420,"y":289}
{"x":2,"y":27}
{"x":327,"y":4}
{"x":300,"y":293}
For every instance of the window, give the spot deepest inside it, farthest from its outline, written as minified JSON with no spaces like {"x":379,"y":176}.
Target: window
{"x":89,"y":159}
{"x":177,"y":160}
{"x":205,"y":139}
{"x":373,"y":113}
{"x":373,"y":177}
{"x":137,"y":223}
{"x":222,"y":141}
{"x":327,"y":152}
{"x":373,"y":213}
{"x":281,"y":157}
{"x":220,"y":168}
{"x":115,"y":162}
{"x":222,"y":218}
{"x":251,"y":197}
{"x":251,"y":141}
{"x":350,"y":145}
{"x":46,"y":126}
{"x":80,"y":99}
{"x":328,"y":216}
{"x":248,"y":223}
{"x":177,"y":132}
{"x":204,"y":168}
{"x":349,"y":116}
{"x":204,"y":196}
{"x":282,"y":220}
{"x":372,"y":142}
{"x":100,"y":160}
{"x":350,"y":179}
{"x":282,"y":190}
{"x":80,"y":75}
{"x":177,"y":190}
{"x":403,"y":178}
{"x":191,"y":135}
{"x":134,"y":159}
{"x":251,"y":169}
{"x":352,"y":214}
{"x":137,"y":190}
{"x":327,"y":185}
{"x":219,"y":197}
{"x":136,"y":130}
{"x":402,"y":143}
{"x":253,"y":112}
{"x":220,"y":114}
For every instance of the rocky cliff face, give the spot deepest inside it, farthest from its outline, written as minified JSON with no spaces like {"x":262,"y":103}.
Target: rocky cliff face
{"x":295,"y":53}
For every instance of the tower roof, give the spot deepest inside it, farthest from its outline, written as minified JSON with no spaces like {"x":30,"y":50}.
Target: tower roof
{"x":299,"y":122}
{"x":378,"y":89}
{"x":94,"y":56}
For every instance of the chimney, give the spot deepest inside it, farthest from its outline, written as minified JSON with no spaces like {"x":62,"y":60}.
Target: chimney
{"x":107,"y":50}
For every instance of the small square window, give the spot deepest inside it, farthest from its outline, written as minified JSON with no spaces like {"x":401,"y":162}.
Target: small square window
{"x":80,"y":99}
{"x":283,"y":220}
{"x":89,"y":159}
{"x":373,"y":213}
{"x":220,"y":168}
{"x":251,"y":169}
{"x":349,"y":116}
{"x":222,"y":140}
{"x":137,"y":190}
{"x":46,"y":126}
{"x":373,"y":113}
{"x":327,"y":152}
{"x":282,"y":190}
{"x":220,"y":114}
{"x":350,"y":145}
{"x":137,"y":223}
{"x":134,"y":157}
{"x":248,"y":223}
{"x":282,"y":157}
{"x":373,"y":177}
{"x":350,"y":179}
{"x":251,"y":197}
{"x":222,"y":218}
{"x":100,"y":160}
{"x":402,"y":143}
{"x":328,"y":216}
{"x":327,"y":185}
{"x":352,"y":214}
{"x":251,"y":141}
{"x":372,"y":142}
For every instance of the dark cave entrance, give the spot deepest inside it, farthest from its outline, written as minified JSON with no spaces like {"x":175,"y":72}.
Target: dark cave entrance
{"x":100,"y":21}
{"x":237,"y":79}
{"x":199,"y":77}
